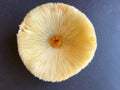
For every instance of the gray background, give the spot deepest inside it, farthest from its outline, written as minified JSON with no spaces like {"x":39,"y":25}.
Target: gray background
{"x":102,"y":74}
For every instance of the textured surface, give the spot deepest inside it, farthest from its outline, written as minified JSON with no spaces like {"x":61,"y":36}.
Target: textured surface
{"x":73,"y":29}
{"x":102,"y":74}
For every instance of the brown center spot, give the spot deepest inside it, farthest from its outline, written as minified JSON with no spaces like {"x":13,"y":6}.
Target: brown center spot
{"x":55,"y":41}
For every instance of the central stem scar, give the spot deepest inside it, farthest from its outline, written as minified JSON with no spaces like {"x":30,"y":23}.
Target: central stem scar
{"x":55,"y":41}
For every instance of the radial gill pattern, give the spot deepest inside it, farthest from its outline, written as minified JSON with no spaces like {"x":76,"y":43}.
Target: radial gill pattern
{"x":56,"y":41}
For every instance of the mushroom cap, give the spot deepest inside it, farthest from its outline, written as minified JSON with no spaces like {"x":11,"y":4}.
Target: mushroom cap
{"x":56,"y":41}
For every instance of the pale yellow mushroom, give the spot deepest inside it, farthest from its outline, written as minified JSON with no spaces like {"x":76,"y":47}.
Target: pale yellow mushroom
{"x":56,"y":41}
